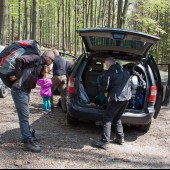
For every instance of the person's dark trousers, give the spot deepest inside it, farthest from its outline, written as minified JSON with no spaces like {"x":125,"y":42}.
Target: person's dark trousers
{"x":113,"y":114}
{"x":21,"y":101}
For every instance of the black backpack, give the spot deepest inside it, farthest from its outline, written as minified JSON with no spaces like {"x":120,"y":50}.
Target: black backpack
{"x":9,"y":54}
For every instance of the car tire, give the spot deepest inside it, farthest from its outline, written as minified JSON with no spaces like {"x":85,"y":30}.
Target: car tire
{"x":71,"y":120}
{"x":145,"y":128}
{"x":3,"y":91}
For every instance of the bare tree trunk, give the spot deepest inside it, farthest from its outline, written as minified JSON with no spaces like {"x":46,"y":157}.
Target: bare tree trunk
{"x":3,"y":21}
{"x":167,"y":36}
{"x":87,"y":12}
{"x":113,"y":15}
{"x":163,"y":42}
{"x":91,"y":14}
{"x":9,"y":26}
{"x":104,"y":12}
{"x":99,"y":13}
{"x":125,"y":9}
{"x":47,"y":28}
{"x":41,"y":22}
{"x":52,"y":40}
{"x":34,"y":21}
{"x":54,"y":25}
{"x":26,"y":20}
{"x":109,"y":14}
{"x":75,"y":25}
{"x":63,"y":26}
{"x":31,"y":17}
{"x":58,"y":25}
{"x":66,"y":26}
{"x":19,"y":21}
{"x":13,"y":28}
{"x":69,"y":26}
{"x":119,"y":13}
{"x":157,"y":45}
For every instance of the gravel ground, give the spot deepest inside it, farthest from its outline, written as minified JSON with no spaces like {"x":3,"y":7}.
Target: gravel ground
{"x":65,"y":146}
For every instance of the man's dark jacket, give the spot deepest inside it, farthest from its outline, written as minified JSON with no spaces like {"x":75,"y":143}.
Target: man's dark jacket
{"x":117,"y":82}
{"x":28,"y":70}
{"x":61,"y":67}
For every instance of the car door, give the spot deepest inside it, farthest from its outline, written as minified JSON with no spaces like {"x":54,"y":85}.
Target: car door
{"x":153,"y":65}
{"x":165,"y":78}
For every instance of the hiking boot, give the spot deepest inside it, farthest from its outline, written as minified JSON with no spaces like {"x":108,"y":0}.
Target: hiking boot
{"x":119,"y":141}
{"x":100,"y":144}
{"x":33,"y":136}
{"x":29,"y":145}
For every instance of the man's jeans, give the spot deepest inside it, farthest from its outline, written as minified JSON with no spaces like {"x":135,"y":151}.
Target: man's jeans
{"x":113,"y":114}
{"x":21,"y":101}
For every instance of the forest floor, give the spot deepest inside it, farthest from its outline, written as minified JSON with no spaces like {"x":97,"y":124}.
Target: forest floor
{"x":69,"y":147}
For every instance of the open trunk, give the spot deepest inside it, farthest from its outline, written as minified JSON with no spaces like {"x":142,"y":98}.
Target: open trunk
{"x":91,"y":96}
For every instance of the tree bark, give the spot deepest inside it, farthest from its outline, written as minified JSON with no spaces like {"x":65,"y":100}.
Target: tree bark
{"x":119,"y":13}
{"x":26,"y":20}
{"x":125,"y":9}
{"x":3,"y":21}
{"x":99,"y":13}
{"x":34,"y":21}
{"x":69,"y":26}
{"x":9,"y":26}
{"x":75,"y":27}
{"x":63,"y":26}
{"x":109,"y":14}
{"x":13,"y":28}
{"x":91,"y":14}
{"x":113,"y":15}
{"x":19,"y":21}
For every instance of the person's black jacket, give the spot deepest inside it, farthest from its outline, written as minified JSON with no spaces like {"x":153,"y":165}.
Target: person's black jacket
{"x":28,"y":70}
{"x":61,"y":67}
{"x":117,"y":82}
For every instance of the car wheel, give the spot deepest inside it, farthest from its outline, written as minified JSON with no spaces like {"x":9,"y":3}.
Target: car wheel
{"x":71,"y":120}
{"x":145,"y":128}
{"x":3,"y":91}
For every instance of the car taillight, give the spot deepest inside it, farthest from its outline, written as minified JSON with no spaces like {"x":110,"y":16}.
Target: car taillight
{"x":71,"y":85}
{"x":153,"y":94}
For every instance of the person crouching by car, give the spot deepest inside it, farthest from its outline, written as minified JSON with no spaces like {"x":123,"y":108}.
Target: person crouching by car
{"x":117,"y":82}
{"x":60,"y":69}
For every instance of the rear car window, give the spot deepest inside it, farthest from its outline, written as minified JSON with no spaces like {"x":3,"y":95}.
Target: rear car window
{"x":102,"y":41}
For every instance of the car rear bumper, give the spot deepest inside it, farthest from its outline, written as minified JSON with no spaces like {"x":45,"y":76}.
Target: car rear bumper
{"x":89,"y":114}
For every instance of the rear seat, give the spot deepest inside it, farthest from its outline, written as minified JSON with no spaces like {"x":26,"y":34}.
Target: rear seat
{"x":94,"y":70}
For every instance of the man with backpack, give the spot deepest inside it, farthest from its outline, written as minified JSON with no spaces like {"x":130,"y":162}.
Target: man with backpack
{"x":27,"y":71}
{"x":20,"y":68}
{"x":116,"y":81}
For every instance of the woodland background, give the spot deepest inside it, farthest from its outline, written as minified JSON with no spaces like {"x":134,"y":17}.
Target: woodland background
{"x":54,"y":22}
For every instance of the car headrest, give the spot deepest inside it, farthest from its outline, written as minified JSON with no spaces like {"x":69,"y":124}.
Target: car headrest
{"x":97,"y":66}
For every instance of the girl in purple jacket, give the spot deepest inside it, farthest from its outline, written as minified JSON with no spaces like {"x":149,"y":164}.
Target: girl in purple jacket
{"x":45,"y":93}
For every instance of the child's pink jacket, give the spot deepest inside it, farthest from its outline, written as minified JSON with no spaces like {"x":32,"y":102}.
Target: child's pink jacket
{"x":45,"y":85}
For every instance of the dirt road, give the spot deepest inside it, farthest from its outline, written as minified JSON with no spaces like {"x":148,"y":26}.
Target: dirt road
{"x":65,"y":146}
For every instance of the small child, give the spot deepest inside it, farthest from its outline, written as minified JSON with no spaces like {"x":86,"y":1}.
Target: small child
{"x":45,"y":93}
